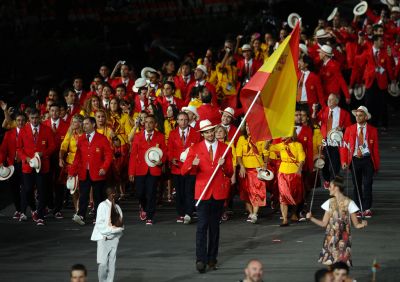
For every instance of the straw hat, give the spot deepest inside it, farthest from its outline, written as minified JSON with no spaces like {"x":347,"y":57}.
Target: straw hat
{"x":35,"y":162}
{"x":292,"y":19}
{"x":144,"y":73}
{"x":140,"y":82}
{"x":359,"y":91}
{"x":303,"y":48}
{"x":6,"y":172}
{"x":326,"y":49}
{"x":360,"y":8}
{"x":265,"y":175}
{"x":184,"y":154}
{"x":72,"y":184}
{"x":319,"y":163}
{"x":203,"y":68}
{"x":152,"y":156}
{"x":335,"y":135}
{"x":246,"y":47}
{"x":394,"y":89}
{"x":229,"y":111}
{"x":362,"y":109}
{"x":321,"y":33}
{"x":206,"y":125}
{"x":333,"y":14}
{"x":192,"y":109}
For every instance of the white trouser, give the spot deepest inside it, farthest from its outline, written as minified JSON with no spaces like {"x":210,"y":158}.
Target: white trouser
{"x":106,"y":257}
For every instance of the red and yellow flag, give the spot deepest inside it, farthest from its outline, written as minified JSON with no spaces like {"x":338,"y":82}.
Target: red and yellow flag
{"x":272,"y":115}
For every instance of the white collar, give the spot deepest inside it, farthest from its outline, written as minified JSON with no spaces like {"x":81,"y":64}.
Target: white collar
{"x":57,"y":122}
{"x":37,"y":127}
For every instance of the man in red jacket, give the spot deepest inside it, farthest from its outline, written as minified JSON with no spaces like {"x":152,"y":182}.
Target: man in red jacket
{"x":184,"y":80}
{"x":80,"y":93}
{"x":207,"y":110}
{"x":179,"y":140}
{"x":330,"y":75}
{"x":200,"y":76}
{"x":8,"y":155}
{"x":331,"y":117}
{"x":247,"y":66}
{"x":203,"y":157}
{"x":361,"y":154}
{"x":377,"y":70}
{"x":72,"y":107}
{"x":59,"y":129}
{"x":35,"y":138}
{"x":92,"y":160}
{"x":146,"y":177}
{"x":227,"y":118}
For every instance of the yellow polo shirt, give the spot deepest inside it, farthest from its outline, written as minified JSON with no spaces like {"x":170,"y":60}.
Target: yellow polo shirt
{"x":249,"y":158}
{"x":289,"y":165}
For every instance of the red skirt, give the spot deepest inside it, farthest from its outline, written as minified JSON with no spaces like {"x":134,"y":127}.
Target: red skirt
{"x":290,"y":188}
{"x":252,"y":189}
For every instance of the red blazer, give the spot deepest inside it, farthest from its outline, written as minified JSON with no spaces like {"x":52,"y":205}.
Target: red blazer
{"x":8,"y":148}
{"x":210,"y":112}
{"x":137,"y":164}
{"x":181,"y":85}
{"x":241,"y":67}
{"x":231,"y":132}
{"x":344,"y":120}
{"x":75,"y":110}
{"x":26,"y":147}
{"x":305,"y":137}
{"x":118,"y":80}
{"x":60,"y":132}
{"x":347,"y":151}
{"x":332,"y":80}
{"x":315,"y":92}
{"x":138,"y":106}
{"x":367,"y":66}
{"x":164,"y":103}
{"x":175,"y":147}
{"x":210,"y":88}
{"x":98,"y":155}
{"x":82,"y":98}
{"x":218,"y":190}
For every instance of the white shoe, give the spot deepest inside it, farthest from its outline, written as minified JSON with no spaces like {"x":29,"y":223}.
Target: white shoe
{"x":78,"y":219}
{"x":254,"y":218}
{"x":187,"y":219}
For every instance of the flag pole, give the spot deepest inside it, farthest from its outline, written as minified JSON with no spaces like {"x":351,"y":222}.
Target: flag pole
{"x":227,"y":148}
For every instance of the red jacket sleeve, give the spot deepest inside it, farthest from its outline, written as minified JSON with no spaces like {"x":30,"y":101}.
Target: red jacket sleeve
{"x":344,"y":150}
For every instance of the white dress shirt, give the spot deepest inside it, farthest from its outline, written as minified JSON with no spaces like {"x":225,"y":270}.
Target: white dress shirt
{"x":90,"y":136}
{"x":33,"y":128}
{"x":335,"y":116}
{"x":364,"y":150}
{"x":303,"y":88}
{"x":147,"y":134}
{"x":214,"y":147}
{"x":103,"y":229}
{"x":57,"y":122}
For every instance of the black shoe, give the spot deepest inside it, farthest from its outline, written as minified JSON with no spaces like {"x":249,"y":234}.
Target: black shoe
{"x":212,"y":265}
{"x":201,"y":267}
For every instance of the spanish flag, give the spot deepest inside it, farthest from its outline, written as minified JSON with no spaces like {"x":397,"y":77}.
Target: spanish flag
{"x":272,"y":113}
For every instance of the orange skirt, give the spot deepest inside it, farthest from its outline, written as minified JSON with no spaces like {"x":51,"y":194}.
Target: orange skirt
{"x":290,"y":188}
{"x":252,"y":189}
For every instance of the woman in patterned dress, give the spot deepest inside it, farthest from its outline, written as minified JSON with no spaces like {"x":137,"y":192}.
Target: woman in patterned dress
{"x":339,"y":210}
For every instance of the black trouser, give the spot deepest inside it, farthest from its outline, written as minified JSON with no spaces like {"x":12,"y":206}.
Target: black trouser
{"x":55,"y":191}
{"x":146,"y":190}
{"x":364,"y":172}
{"x":184,"y":186}
{"x":209,"y":214}
{"x":32,"y":180}
{"x":84,"y":193}
{"x":332,"y":163}
{"x":375,"y":101}
{"x":15,"y":183}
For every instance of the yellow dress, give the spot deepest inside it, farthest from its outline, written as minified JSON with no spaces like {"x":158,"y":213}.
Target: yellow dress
{"x":169,"y":125}
{"x":121,"y":126}
{"x":83,"y":113}
{"x":177,"y":93}
{"x":249,"y":158}
{"x":317,"y":140}
{"x":227,"y":80}
{"x":69,"y":145}
{"x":289,"y":164}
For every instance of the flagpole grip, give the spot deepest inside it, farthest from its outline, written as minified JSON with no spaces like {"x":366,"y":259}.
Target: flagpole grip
{"x":227,"y":148}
